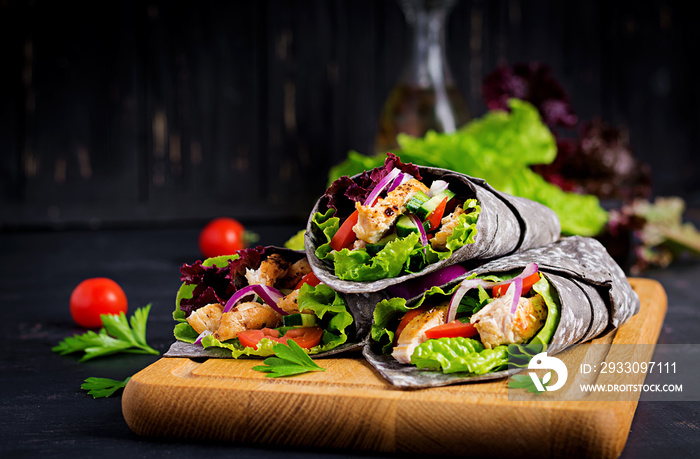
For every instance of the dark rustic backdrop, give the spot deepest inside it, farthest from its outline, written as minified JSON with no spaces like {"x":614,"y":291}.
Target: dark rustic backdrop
{"x":137,"y":113}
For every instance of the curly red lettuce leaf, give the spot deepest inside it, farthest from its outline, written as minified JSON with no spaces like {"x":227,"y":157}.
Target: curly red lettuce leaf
{"x":216,"y":282}
{"x":343,"y":192}
{"x":600,"y":162}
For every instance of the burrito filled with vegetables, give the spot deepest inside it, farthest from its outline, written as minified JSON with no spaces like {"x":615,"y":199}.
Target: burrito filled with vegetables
{"x":244,"y":304}
{"x":471,"y":325}
{"x":401,"y":221}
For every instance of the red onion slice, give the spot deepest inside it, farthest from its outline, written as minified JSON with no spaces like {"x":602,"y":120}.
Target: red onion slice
{"x":400,"y":180}
{"x":515,"y":289}
{"x":236,"y":297}
{"x":269,"y":295}
{"x":438,"y":186}
{"x":466,"y":285}
{"x":201,"y":336}
{"x":380,"y":186}
{"x":529,"y":270}
{"x":421,"y":230}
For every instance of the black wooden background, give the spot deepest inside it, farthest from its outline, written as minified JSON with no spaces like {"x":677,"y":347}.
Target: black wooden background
{"x":135,"y":113}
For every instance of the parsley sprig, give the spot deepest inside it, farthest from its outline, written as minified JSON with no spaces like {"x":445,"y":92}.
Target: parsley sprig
{"x":525,"y":382}
{"x":115,"y":336}
{"x":103,"y":387}
{"x":291,"y":360}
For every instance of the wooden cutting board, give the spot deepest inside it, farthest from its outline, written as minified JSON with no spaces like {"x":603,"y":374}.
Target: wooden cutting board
{"x":350,"y":406}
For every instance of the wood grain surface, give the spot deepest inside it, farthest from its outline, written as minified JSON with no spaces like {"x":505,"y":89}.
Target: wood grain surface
{"x":349,"y":406}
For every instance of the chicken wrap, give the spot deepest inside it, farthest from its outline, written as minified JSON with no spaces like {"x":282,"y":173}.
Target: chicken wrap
{"x":471,"y":326}
{"x":244,"y":304}
{"x":401,"y":221}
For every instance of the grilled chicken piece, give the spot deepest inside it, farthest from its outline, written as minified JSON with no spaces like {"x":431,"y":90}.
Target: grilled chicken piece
{"x":295,"y":272}
{"x":289,"y":303}
{"x":358,"y":244}
{"x":414,"y":332}
{"x":447,"y":227}
{"x":206,"y":318}
{"x":272,"y":268}
{"x":375,"y":221}
{"x":496,"y":325}
{"x":245,"y":316}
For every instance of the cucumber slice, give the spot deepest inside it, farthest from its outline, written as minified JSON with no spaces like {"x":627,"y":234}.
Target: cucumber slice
{"x":299,"y":320}
{"x":405,"y":226}
{"x":416,"y":201}
{"x":428,"y":207}
{"x":373,"y":249}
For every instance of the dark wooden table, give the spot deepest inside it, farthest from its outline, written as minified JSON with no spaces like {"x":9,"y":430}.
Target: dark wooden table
{"x":44,"y":413}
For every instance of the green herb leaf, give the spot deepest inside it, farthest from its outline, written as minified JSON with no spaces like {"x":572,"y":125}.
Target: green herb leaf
{"x":116,"y":336}
{"x":296,"y":242}
{"x":525,"y":382}
{"x":291,"y":360}
{"x":103,"y":387}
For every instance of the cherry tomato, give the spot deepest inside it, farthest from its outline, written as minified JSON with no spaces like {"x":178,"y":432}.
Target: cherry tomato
{"x":96,"y":296}
{"x":528,"y":282}
{"x":306,"y":337}
{"x":310,"y":279}
{"x":451,"y":330}
{"x":221,"y":236}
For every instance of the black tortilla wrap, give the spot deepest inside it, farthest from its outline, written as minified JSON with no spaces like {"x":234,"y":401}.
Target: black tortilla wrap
{"x":506,"y":224}
{"x":580,"y":258}
{"x":594,"y":296}
{"x":359,"y":306}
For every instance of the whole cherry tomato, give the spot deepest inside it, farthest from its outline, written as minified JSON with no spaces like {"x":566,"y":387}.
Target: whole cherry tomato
{"x":221,"y":236}
{"x":96,"y":296}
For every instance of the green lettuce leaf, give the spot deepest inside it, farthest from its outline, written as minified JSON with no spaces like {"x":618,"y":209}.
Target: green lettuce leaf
{"x":500,"y":147}
{"x":459,"y":355}
{"x":296,"y":242}
{"x":332,"y":312}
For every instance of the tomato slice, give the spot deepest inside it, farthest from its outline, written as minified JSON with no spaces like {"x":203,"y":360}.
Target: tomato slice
{"x":306,"y":337}
{"x":528,"y":282}
{"x":406,"y":319}
{"x":310,"y":279}
{"x":251,"y":338}
{"x":451,"y":330}
{"x":345,"y":235}
{"x":436,"y":215}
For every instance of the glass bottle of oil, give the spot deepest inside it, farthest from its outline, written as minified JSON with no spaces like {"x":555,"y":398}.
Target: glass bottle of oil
{"x":426,"y":96}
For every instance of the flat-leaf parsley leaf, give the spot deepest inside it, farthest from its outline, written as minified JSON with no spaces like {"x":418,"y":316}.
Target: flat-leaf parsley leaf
{"x":525,"y":382}
{"x":291,"y":360}
{"x":116,"y":336}
{"x":103,"y":387}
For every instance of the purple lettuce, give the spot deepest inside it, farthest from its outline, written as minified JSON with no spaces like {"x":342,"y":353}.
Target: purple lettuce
{"x":534,"y":83}
{"x":599,"y":162}
{"x":342,"y":194}
{"x":217,"y":284}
